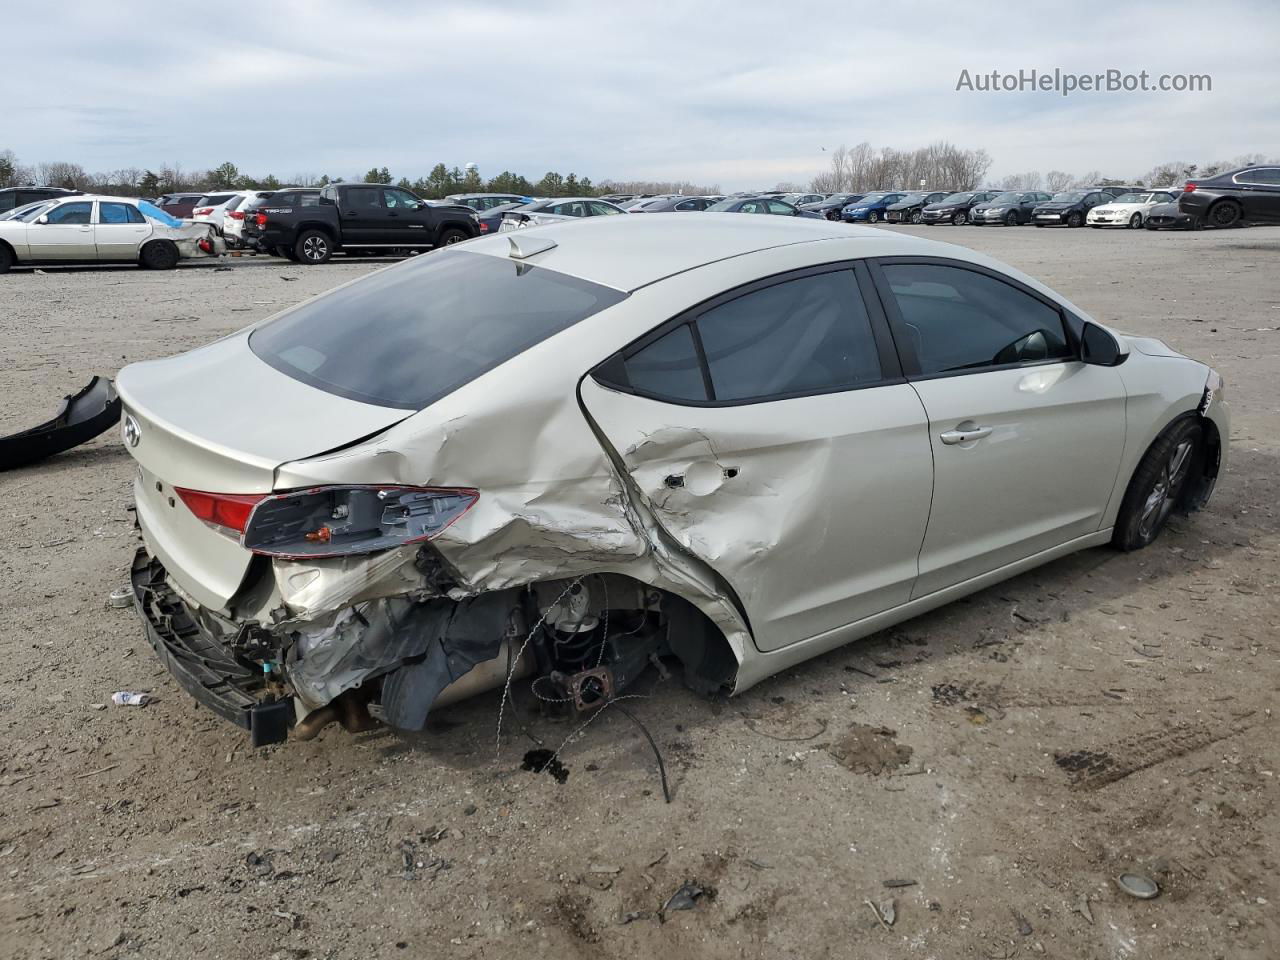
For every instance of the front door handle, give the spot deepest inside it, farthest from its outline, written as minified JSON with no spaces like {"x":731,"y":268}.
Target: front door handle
{"x":965,"y":435}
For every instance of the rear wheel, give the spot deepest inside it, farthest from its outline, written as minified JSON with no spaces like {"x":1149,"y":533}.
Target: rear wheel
{"x":1135,"y":222}
{"x":159,"y":255}
{"x":451,"y":236}
{"x":1158,"y":486}
{"x":1075,"y":219}
{"x":313,"y":246}
{"x":1224,"y":213}
{"x":6,"y":258}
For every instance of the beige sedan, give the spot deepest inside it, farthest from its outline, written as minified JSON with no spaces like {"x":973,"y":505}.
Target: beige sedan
{"x":570,"y":452}
{"x":100,"y":229}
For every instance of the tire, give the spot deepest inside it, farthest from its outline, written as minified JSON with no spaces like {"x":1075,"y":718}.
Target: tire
{"x":1039,"y":226}
{"x":1158,"y":485}
{"x":451,"y":236}
{"x":960,"y":218}
{"x":873,"y":217}
{"x":1225,"y":213}
{"x":834,"y":216}
{"x":6,"y":258}
{"x":159,"y":255}
{"x":1135,"y":222}
{"x":1075,"y":219}
{"x":1011,"y":220}
{"x":1096,"y":226}
{"x":312,"y":247}
{"x":916,"y":217}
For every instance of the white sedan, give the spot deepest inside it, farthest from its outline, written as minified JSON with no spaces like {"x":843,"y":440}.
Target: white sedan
{"x":1128,"y":210}
{"x":101,"y":229}
{"x":569,"y":451}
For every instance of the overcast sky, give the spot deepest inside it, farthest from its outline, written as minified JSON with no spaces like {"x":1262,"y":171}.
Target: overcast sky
{"x":743,"y":94}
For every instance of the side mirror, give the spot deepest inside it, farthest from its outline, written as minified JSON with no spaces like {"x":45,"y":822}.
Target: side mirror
{"x":1099,"y":348}
{"x":43,"y":218}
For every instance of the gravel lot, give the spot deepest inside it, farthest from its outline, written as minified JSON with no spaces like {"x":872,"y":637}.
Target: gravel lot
{"x":1010,"y":754}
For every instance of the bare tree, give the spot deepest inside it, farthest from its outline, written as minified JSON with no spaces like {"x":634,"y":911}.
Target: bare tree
{"x":1057,"y":180}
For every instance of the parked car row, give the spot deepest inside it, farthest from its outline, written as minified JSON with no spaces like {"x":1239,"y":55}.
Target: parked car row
{"x":40,"y":224}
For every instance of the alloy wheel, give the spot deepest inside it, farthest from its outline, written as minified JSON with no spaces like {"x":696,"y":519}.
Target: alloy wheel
{"x":314,"y":248}
{"x":1164,"y":493}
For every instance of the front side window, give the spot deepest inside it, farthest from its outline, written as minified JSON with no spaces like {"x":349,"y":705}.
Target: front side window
{"x":603,"y":209}
{"x":400,"y":200}
{"x":958,"y":319}
{"x":781,"y":209}
{"x":575,"y":209}
{"x":118,"y":213}
{"x":71,"y":213}
{"x":426,"y":327}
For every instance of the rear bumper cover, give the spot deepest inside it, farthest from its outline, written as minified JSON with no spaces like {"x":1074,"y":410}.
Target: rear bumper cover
{"x":200,"y":663}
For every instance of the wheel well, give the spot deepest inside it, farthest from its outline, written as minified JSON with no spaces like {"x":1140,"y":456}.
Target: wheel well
{"x":157,"y":241}
{"x":1205,"y":471}
{"x":455,"y":225}
{"x":12,"y":253}
{"x":325,"y":228}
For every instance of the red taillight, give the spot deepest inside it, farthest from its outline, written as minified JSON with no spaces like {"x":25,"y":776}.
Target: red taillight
{"x":260,"y":219}
{"x":484,"y":227}
{"x":1190,"y":187}
{"x":229,"y":511}
{"x":236,"y":215}
{"x":202,"y":212}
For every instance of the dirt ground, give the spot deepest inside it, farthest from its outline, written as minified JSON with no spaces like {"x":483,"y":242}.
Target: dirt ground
{"x":982,"y":773}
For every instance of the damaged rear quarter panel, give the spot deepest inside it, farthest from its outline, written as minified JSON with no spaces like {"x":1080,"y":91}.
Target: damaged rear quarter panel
{"x":552,"y":503}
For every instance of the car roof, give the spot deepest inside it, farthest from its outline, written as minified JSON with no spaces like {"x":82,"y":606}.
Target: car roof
{"x":38,"y":187}
{"x":627,"y":253}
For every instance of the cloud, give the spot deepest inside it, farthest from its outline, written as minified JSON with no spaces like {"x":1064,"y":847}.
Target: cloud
{"x":741,"y":94}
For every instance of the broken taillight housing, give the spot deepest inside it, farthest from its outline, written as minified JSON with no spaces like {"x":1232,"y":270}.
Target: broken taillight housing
{"x":228,"y":513}
{"x":336,"y":521}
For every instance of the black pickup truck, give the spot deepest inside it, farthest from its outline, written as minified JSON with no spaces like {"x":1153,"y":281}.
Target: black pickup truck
{"x":356,"y":218}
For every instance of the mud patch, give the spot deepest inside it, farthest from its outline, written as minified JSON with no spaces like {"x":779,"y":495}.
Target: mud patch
{"x":870,"y":750}
{"x":570,"y":913}
{"x":1093,"y":769}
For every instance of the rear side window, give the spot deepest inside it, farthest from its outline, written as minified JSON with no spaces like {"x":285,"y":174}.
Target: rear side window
{"x":801,"y":336}
{"x":957,"y":319}
{"x":363,"y":198}
{"x":669,"y":367}
{"x":804,"y":336}
{"x":8,"y":201}
{"x":118,"y":213}
{"x":425,"y":327}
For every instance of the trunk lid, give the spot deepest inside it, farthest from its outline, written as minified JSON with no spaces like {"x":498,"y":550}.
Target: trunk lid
{"x":219,"y":419}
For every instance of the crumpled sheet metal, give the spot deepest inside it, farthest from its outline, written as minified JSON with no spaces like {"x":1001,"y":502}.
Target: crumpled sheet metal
{"x":553,"y":505}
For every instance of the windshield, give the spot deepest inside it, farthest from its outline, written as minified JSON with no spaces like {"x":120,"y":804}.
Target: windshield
{"x":913,"y":198}
{"x":1133,"y":198}
{"x":1005,"y":198}
{"x":722,"y":206}
{"x":871,"y":197}
{"x":426,"y":327}
{"x":1071,"y":197}
{"x":957,"y":198}
{"x":29,"y":212}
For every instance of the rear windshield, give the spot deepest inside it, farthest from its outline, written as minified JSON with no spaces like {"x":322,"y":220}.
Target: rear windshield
{"x":411,"y":334}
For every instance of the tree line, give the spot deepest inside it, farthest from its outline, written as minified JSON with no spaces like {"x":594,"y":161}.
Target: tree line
{"x":944,"y":166}
{"x":440,"y":182}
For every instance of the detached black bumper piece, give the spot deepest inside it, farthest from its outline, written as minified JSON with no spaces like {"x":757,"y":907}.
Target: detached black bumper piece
{"x":81,"y":417}
{"x":203,"y":666}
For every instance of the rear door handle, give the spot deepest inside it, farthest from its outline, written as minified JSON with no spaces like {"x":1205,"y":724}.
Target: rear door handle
{"x":965,"y":436}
